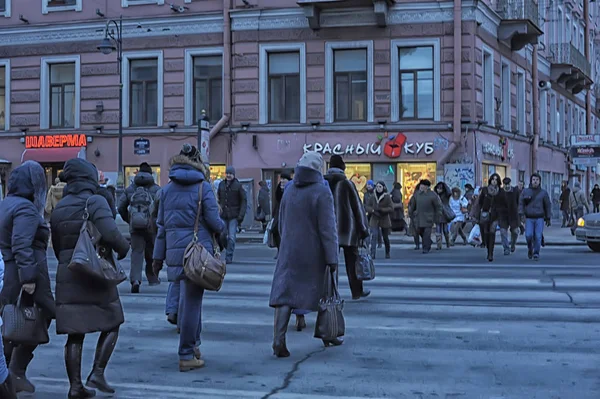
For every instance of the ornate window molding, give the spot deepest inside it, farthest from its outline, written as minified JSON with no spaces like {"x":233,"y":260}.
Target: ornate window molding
{"x":189,"y":79}
{"x":45,"y":88}
{"x":7,"y":9}
{"x":127,"y":3}
{"x":6,"y":65}
{"x":47,"y":7}
{"x":138,"y":55}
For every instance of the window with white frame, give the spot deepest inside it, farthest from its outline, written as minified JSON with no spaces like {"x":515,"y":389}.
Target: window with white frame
{"x":204,"y":84}
{"x":562,"y":115}
{"x":559,"y":124}
{"x":560,"y":21}
{"x":143,"y":89}
{"x":544,"y":114}
{"x":4,"y":94}
{"x":5,"y":6}
{"x":282,"y":81}
{"x":552,"y":113}
{"x":575,"y":119}
{"x":582,"y":123}
{"x":415,"y":79}
{"x":521,"y":114}
{"x":488,"y":86}
{"x":349,"y":81}
{"x":581,"y":40}
{"x":568,"y":30}
{"x":505,"y":92}
{"x":127,"y":3}
{"x":60,"y":87}
{"x":61,"y":5}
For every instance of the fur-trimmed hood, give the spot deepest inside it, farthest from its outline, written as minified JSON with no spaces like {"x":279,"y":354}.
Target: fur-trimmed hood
{"x":186,"y":171}
{"x":183,"y":160}
{"x":29,"y":181}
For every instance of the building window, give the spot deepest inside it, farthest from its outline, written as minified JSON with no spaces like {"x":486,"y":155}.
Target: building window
{"x":415,"y":79}
{"x":350,"y":85}
{"x":349,"y":81}
{"x":543,"y":114}
{"x":562,"y":128}
{"x":488,"y":86}
{"x":60,"y":92}
{"x":62,"y":95}
{"x":4,"y":94}
{"x":552,"y":138}
{"x":61,"y":5}
{"x":521,"y":114}
{"x":506,"y":106}
{"x":282,"y":81}
{"x":409,"y":174}
{"x":143,"y":89}
{"x":5,"y":8}
{"x":284,"y":87}
{"x":208,"y":80}
{"x":204,"y":84}
{"x":127,"y":3}
{"x":131,"y":171}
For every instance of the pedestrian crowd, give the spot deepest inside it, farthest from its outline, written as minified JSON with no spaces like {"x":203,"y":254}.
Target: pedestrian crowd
{"x":315,"y":216}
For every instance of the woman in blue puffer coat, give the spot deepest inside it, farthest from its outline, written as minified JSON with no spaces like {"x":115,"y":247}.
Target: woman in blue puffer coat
{"x":7,"y":390}
{"x":177,"y":209}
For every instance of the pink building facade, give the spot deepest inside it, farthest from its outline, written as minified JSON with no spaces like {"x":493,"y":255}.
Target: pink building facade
{"x":404,"y":90}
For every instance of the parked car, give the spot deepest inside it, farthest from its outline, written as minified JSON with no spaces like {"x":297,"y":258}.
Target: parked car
{"x":588,"y":231}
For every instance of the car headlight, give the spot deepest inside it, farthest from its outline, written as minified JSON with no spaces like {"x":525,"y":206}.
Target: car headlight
{"x":580,"y":222}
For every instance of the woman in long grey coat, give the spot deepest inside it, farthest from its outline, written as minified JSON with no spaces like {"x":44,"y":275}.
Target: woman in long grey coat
{"x":309,"y":244}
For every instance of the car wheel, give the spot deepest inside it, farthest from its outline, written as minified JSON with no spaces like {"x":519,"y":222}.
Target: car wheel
{"x":594,"y":246}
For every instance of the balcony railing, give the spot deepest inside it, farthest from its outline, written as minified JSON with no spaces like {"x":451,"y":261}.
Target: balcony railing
{"x":567,"y":54}
{"x":518,"y":10}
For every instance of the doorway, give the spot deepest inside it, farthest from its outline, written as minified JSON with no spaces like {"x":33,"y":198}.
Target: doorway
{"x":52,"y":170}
{"x":272,"y":177}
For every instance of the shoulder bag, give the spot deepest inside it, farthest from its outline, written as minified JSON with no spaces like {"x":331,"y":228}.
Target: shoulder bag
{"x":330,"y":323}
{"x":365,"y":267}
{"x":93,"y":259}
{"x":200,"y":266}
{"x":24,"y":323}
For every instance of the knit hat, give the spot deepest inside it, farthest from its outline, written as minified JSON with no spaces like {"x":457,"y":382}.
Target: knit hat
{"x":468,"y":186}
{"x":336,"y":161}
{"x":189,"y":151}
{"x":145,"y":167}
{"x":230,"y":170}
{"x":370,"y":183}
{"x":285,"y":175}
{"x":312,"y":160}
{"x":425,"y":182}
{"x":506,"y":181}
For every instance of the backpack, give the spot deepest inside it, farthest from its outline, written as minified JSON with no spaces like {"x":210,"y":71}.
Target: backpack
{"x":139,"y":209}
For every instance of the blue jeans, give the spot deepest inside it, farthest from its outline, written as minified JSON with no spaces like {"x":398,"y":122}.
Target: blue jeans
{"x":173,"y":295}
{"x":534,"y":228}
{"x":231,"y":227}
{"x":190,"y":319}
{"x":3,"y":366}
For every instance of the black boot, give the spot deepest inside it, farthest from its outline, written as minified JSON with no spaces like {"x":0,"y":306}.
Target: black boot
{"x":7,"y":389}
{"x":104,"y":349}
{"x":73,"y":362}
{"x":491,"y":242}
{"x":282,"y":318}
{"x":20,"y":359}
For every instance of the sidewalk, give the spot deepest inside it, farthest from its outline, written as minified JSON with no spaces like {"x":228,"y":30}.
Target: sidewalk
{"x":554,"y":236}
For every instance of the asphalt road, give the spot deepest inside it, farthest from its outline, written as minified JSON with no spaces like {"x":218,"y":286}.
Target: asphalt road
{"x":443,"y":325}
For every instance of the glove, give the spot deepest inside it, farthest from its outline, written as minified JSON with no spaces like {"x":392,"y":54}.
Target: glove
{"x":157,"y":266}
{"x":548,"y":223}
{"x":29,"y":288}
{"x":333,"y":267}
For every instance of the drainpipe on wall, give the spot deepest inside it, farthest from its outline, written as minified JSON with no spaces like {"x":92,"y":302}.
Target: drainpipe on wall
{"x":457,"y":84}
{"x":536,"y":110}
{"x":227,"y":4}
{"x":588,"y":95}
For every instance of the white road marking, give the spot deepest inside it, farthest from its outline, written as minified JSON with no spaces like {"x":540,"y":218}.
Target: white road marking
{"x":493,"y":332}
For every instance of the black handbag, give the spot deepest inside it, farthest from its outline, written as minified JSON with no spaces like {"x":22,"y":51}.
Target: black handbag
{"x":330,"y":323}
{"x":92,"y":259}
{"x":365,"y":267}
{"x":24,"y":323}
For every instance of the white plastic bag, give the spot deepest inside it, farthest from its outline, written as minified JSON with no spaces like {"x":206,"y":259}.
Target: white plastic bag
{"x":475,"y":235}
{"x":267,"y":231}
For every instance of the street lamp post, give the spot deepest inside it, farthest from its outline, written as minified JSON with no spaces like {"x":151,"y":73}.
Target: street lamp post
{"x":204,"y":138}
{"x":114,"y":41}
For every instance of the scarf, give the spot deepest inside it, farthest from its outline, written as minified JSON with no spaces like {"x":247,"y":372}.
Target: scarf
{"x":379,"y":196}
{"x":493,"y":190}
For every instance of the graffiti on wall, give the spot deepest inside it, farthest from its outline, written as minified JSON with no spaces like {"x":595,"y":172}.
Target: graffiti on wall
{"x":459,"y":174}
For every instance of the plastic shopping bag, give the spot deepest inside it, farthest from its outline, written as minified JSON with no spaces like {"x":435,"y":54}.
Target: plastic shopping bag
{"x":475,"y":235}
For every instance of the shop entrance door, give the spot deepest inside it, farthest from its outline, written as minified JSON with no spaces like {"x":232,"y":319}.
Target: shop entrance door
{"x":52,"y":170}
{"x":272,"y":177}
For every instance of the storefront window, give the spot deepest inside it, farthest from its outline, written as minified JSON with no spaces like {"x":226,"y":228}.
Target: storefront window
{"x":409,"y":175}
{"x":489,"y":169}
{"x":359,"y":173}
{"x":385,"y":172}
{"x":217,"y":174}
{"x":131,"y":171}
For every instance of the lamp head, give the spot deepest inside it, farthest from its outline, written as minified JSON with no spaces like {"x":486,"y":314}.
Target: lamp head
{"x":106,"y":47}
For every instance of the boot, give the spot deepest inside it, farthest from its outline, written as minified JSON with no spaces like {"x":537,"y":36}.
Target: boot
{"x":300,"y":322}
{"x":491,"y":242}
{"x":104,"y":349}
{"x":7,"y":389}
{"x":73,"y":361}
{"x":513,"y":241}
{"x":20,"y":359}
{"x":438,"y":241}
{"x":388,"y":250}
{"x":282,"y":318}
{"x":447,"y":237}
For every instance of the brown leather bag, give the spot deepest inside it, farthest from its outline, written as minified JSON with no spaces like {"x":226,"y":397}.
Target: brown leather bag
{"x":200,"y":266}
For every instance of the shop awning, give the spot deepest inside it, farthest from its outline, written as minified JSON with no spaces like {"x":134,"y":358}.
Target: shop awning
{"x":52,"y":154}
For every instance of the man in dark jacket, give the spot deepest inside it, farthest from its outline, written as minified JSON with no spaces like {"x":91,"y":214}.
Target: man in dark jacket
{"x":135,"y":207}
{"x":352,"y":225}
{"x":535,"y":205}
{"x":263,"y":212}
{"x":427,"y":208}
{"x":233,"y":202}
{"x":512,"y":204}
